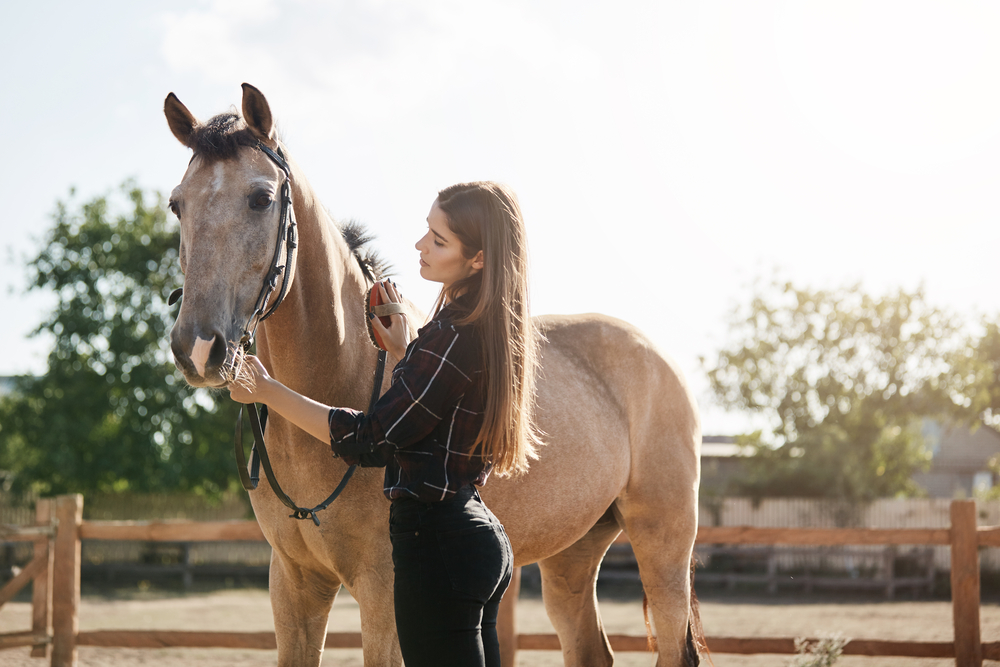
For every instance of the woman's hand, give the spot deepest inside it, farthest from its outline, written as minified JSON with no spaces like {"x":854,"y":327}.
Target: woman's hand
{"x":397,"y":335}
{"x":252,"y":383}
{"x":256,"y":386}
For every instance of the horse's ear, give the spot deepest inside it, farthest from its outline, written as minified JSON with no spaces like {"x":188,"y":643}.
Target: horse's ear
{"x":180,"y":120}
{"x":257,"y":113}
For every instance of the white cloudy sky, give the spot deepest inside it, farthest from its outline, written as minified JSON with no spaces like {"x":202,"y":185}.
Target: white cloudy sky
{"x":666,"y":152}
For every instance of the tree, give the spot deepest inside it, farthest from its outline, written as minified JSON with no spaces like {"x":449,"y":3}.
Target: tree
{"x":976,"y":374}
{"x":843,"y":381}
{"x":111,"y":413}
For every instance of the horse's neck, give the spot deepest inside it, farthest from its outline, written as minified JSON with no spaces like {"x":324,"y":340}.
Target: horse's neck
{"x":316,"y":341}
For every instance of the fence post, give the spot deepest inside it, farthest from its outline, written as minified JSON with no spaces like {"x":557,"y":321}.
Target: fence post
{"x":41,"y":586}
{"x":507,"y":621}
{"x":965,"y":584}
{"x":66,"y":581}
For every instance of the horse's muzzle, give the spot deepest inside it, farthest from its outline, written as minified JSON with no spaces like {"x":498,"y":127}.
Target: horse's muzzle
{"x":202,"y":360}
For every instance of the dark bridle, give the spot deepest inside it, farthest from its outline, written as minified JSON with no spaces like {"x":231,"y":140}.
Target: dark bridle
{"x":287,"y":235}
{"x":286,"y":232}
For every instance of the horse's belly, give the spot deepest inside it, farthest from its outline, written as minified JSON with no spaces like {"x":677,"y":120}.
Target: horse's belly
{"x":581,"y":469}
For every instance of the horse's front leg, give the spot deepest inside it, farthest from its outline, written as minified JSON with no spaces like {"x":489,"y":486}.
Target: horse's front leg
{"x":373,"y":591}
{"x":301,"y":602}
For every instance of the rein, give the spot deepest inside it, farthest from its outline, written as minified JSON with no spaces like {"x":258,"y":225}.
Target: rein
{"x":258,"y":455}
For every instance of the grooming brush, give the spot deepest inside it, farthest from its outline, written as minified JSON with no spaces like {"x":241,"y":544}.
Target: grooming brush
{"x":373,"y":304}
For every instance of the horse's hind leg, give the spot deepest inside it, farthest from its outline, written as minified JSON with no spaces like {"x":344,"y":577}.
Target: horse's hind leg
{"x":569,"y":590}
{"x":661,"y":527}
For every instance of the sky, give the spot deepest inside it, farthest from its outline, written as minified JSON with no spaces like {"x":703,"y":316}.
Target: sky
{"x":667,"y":154}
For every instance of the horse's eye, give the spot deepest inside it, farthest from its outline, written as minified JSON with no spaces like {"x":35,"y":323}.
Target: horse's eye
{"x":261,"y":202}
{"x":175,"y":209}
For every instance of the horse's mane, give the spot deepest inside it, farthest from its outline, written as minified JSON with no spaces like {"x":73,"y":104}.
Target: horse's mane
{"x":358,"y":238}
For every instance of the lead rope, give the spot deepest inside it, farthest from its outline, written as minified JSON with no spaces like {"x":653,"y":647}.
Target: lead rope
{"x":258,"y":455}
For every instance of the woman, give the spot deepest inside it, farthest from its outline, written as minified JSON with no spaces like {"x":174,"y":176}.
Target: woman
{"x":457,"y":410}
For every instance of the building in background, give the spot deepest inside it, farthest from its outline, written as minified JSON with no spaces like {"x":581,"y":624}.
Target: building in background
{"x":721,"y":460}
{"x":960,"y":467}
{"x":960,"y":463}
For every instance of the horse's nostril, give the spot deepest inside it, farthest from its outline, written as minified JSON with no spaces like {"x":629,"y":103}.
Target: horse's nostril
{"x":180,"y":356}
{"x":217,"y":356}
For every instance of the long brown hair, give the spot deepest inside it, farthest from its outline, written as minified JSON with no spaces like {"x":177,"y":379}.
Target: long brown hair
{"x":487,"y":216}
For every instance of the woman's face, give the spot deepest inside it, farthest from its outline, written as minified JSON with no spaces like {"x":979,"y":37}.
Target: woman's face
{"x":441,"y":258}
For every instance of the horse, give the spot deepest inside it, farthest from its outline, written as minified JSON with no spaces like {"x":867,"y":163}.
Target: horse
{"x":621,"y":428}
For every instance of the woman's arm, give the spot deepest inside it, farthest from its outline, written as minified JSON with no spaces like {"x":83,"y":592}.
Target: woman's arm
{"x":429,"y":382}
{"x":309,"y":415}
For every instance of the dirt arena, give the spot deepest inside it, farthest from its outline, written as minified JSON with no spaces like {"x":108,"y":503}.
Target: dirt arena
{"x":723,"y":615}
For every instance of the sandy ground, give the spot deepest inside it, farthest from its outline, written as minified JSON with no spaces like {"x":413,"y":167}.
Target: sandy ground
{"x":722,"y":615}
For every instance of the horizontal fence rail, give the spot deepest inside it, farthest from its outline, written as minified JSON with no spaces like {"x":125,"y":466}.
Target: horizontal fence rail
{"x":172,"y":531}
{"x":822,"y":536}
{"x":525,"y":642}
{"x":25,"y":533}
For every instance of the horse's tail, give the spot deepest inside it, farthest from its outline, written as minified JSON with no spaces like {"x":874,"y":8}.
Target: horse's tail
{"x":695,"y":644}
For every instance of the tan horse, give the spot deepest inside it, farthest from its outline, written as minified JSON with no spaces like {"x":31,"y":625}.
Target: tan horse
{"x":621,"y":427}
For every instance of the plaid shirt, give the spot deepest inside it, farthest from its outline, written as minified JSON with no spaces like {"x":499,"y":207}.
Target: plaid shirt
{"x":423,"y":427}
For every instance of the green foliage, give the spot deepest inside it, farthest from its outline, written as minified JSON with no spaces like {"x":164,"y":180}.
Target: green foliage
{"x":843,"y":380}
{"x":975,"y":379}
{"x":111,"y":413}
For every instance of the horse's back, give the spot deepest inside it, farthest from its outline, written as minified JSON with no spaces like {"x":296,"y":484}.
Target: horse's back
{"x":642,"y":382}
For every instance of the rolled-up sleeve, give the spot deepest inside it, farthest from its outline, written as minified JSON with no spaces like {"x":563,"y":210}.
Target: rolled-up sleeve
{"x":426,"y":386}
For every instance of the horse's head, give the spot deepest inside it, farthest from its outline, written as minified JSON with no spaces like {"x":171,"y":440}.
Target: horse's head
{"x":229,"y":204}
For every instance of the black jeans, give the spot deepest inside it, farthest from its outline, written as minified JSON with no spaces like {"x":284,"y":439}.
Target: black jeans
{"x":452,"y":563}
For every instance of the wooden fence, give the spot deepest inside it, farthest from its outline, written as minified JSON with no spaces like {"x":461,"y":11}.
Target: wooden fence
{"x":55,"y":571}
{"x":39,"y":572}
